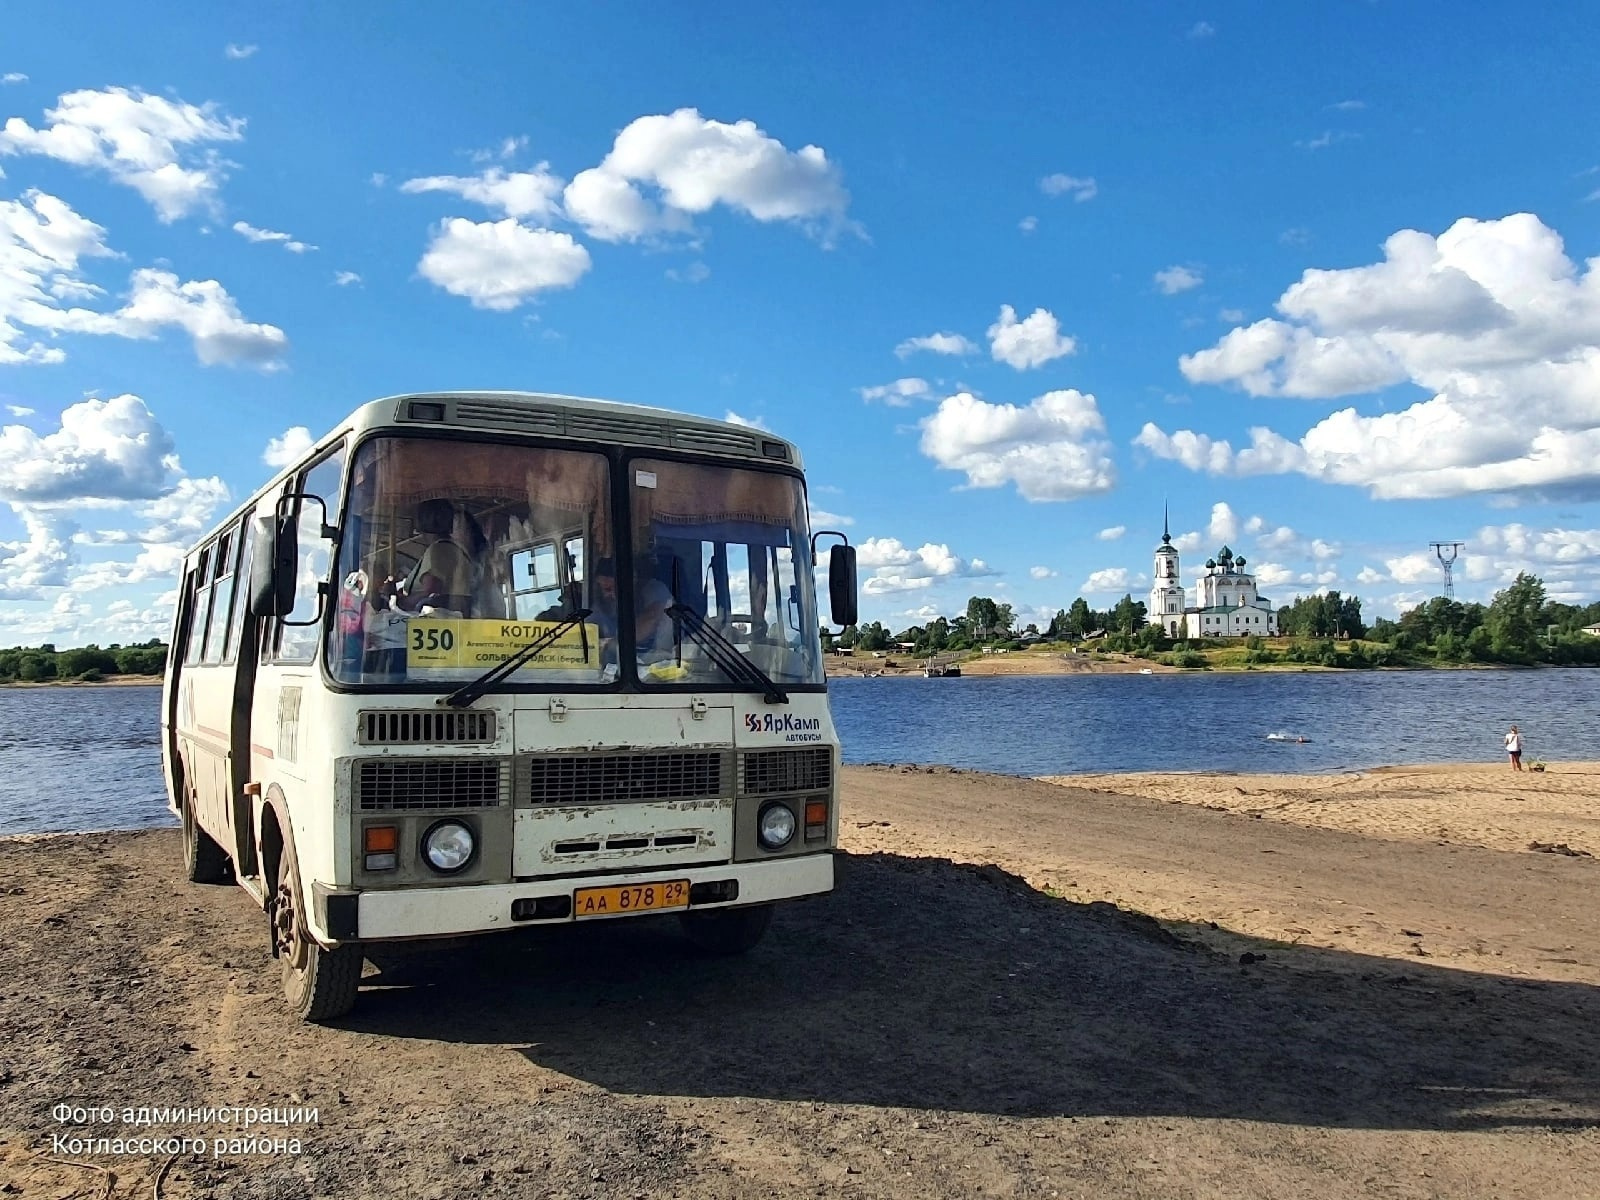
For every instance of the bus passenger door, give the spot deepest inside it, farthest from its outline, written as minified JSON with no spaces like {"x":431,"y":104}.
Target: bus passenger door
{"x":244,"y":649}
{"x":171,"y":744}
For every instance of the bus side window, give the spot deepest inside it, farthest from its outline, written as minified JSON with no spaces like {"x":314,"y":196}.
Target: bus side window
{"x":199,"y":614}
{"x":221,"y":596}
{"x":241,"y":585}
{"x":298,"y":643}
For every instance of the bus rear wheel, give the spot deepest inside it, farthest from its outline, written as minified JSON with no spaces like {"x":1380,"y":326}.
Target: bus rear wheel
{"x":320,"y":984}
{"x":203,"y":860}
{"x":727,"y":930}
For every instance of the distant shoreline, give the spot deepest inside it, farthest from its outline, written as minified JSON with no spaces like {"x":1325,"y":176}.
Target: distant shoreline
{"x":1055,"y":664}
{"x":108,"y":681}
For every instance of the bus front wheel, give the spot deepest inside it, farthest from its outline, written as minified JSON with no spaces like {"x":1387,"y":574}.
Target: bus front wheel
{"x":320,"y":984}
{"x":203,"y":860}
{"x":727,"y":930}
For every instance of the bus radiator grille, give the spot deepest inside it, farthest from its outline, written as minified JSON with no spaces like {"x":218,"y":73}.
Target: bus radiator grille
{"x":583,"y":779}
{"x":399,"y":784}
{"x":807,"y":769}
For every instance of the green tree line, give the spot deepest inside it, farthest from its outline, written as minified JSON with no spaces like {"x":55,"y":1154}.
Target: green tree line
{"x":1520,"y":625}
{"x":40,"y":664}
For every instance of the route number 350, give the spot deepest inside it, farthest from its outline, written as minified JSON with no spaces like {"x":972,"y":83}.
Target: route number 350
{"x":432,"y":639}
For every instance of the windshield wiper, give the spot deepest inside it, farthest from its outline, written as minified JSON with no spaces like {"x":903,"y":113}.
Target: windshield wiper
{"x":467,"y":693}
{"x":726,"y":655}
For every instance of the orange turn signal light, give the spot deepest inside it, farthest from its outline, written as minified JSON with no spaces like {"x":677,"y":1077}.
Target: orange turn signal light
{"x":380,"y":839}
{"x":816,"y":812}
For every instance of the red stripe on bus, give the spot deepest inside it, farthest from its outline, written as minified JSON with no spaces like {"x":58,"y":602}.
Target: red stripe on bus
{"x":262,"y":750}
{"x":219,"y":734}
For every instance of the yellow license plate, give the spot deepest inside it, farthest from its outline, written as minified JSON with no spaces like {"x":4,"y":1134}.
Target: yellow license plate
{"x":630,"y":898}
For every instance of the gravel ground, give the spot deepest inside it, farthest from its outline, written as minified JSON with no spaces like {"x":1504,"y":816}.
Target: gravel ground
{"x":1016,"y":990}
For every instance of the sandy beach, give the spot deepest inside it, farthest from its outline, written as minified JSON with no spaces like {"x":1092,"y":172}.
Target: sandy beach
{"x":1469,"y":804}
{"x":1019,"y":989}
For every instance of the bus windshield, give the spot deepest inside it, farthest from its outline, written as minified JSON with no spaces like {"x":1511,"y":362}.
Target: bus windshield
{"x":730,"y":545}
{"x":456,"y":554}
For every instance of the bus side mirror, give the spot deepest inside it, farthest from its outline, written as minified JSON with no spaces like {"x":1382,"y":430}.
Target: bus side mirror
{"x":276,"y":557}
{"x":842,"y":584}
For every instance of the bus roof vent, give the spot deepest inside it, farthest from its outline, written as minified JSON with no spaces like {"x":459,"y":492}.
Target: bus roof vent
{"x":609,"y":427}
{"x":424,"y":727}
{"x":501,"y":414}
{"x":718,"y":441}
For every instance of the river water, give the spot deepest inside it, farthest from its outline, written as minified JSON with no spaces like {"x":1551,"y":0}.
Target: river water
{"x":89,"y":757}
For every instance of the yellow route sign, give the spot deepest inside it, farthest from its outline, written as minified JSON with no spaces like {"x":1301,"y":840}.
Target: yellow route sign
{"x":458,"y":643}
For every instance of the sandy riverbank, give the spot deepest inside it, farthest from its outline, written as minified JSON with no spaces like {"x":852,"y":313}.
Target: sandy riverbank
{"x":1018,"y":989}
{"x":1460,"y":804}
{"x":1025,"y":662}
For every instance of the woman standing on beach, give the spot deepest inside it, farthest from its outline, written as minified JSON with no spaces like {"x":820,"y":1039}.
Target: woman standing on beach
{"x":1514,"y":748}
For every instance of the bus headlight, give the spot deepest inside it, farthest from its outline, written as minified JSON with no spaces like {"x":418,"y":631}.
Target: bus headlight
{"x":448,"y":847}
{"x":775,"y":826}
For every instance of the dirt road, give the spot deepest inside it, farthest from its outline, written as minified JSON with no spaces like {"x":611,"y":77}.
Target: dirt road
{"x":936,"y":1028}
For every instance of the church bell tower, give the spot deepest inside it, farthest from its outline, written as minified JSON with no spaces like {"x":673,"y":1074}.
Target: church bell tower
{"x":1166,"y":593}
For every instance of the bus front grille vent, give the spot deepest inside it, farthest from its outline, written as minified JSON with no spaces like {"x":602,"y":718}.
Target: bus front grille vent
{"x":424,"y":727}
{"x":403,"y":785}
{"x":619,"y":778}
{"x":762,"y":772}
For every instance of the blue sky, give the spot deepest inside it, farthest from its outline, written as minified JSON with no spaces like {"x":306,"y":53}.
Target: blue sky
{"x":1315,"y":275}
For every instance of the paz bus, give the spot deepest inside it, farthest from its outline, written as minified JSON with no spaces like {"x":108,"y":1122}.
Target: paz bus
{"x":487,"y":660}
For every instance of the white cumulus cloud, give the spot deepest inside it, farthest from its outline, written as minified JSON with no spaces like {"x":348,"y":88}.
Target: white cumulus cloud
{"x":1110,"y":579}
{"x":1173,"y":280}
{"x":1492,"y":319}
{"x":162,"y":148}
{"x":104,"y":450}
{"x":1069,"y":185}
{"x":251,"y":233}
{"x":897,"y":568}
{"x":1041,"y":573}
{"x":1224,"y":525}
{"x":1051,"y":449}
{"x":43,"y":245}
{"x":290,"y":447}
{"x":936,"y":343}
{"x":1112,"y":533}
{"x":898,"y":394}
{"x":532,"y":194}
{"x":1031,"y":342}
{"x":501,"y":264}
{"x":201,"y":308}
{"x":666,"y":169}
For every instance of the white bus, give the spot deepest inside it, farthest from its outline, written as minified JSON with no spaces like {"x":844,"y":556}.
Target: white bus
{"x":483,"y":661}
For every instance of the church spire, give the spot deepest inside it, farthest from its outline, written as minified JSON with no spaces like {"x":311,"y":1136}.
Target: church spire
{"x":1166,"y":532}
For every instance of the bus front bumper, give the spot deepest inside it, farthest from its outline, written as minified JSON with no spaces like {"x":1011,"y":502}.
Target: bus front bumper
{"x":484,"y":908}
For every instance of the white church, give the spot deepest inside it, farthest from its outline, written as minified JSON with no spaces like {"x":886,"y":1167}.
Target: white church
{"x":1226,"y":603}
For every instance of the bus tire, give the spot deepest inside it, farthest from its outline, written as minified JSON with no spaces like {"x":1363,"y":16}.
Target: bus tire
{"x":203,"y":860}
{"x":726,"y":931}
{"x":320,"y":984}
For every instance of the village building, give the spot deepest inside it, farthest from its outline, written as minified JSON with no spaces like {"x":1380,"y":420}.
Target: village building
{"x":1226,"y":603}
